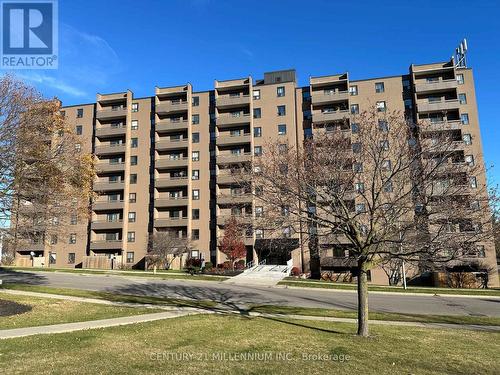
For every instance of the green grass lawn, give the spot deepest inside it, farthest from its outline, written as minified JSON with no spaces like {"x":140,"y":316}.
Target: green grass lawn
{"x":126,"y":298}
{"x":198,"y":344}
{"x":289,"y":281}
{"x":46,"y":311}
{"x":162,"y":275}
{"x":259,"y":308}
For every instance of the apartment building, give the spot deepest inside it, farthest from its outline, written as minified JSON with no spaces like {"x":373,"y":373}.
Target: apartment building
{"x":167,"y":162}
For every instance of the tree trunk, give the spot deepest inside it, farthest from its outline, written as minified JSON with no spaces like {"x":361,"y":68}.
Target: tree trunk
{"x":314,"y":261}
{"x":362,"y":301}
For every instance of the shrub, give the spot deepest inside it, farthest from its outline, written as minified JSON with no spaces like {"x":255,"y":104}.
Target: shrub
{"x":295,"y":271}
{"x":208,"y":265}
{"x":240,"y":265}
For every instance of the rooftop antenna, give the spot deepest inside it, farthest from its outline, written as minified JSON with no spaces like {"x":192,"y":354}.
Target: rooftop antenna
{"x":459,"y":58}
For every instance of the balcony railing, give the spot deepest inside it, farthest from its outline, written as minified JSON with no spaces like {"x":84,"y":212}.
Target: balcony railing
{"x":422,"y":86}
{"x":171,"y":143}
{"x":324,"y":116}
{"x":171,"y":222}
{"x":110,"y":149}
{"x":109,"y":185}
{"x":234,"y":158}
{"x":234,"y":198}
{"x":437,"y":105}
{"x":171,"y":125}
{"x":107,"y":204}
{"x":111,"y":113}
{"x":231,"y":120}
{"x":171,"y":201}
{"x":105,"y":244}
{"x":232,"y":101}
{"x":172,"y":106}
{"x":323,"y":97}
{"x":233,"y":139}
{"x":110,"y":167}
{"x":172,"y":181}
{"x":165,"y":162}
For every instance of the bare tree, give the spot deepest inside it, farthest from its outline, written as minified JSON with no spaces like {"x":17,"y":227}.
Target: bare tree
{"x":45,"y":178}
{"x":165,"y":247}
{"x":385,"y":190}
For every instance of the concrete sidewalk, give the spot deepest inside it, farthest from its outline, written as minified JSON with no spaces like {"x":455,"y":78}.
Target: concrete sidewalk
{"x":93,"y":324}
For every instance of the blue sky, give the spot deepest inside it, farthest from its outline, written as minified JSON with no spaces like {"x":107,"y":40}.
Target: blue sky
{"x":114,"y":45}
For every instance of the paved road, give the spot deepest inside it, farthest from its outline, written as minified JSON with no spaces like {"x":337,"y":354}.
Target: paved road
{"x":237,"y":295}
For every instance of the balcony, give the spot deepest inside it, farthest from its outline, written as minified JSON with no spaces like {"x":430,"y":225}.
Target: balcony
{"x":106,"y":245}
{"x":233,"y":120}
{"x":433,"y":126}
{"x":110,"y":149}
{"x":103,"y":131}
{"x":34,"y":246}
{"x":171,"y":222}
{"x":104,"y":224}
{"x":165,"y":162}
{"x":109,"y":185}
{"x":171,"y":144}
{"x":110,"y":114}
{"x":234,"y":198}
{"x":229,"y":140}
{"x":105,"y":204}
{"x":120,"y":97}
{"x":171,"y":107}
{"x":437,"y":105}
{"x":234,"y":158}
{"x":241,"y":219}
{"x":319,"y":116}
{"x":171,"y":202}
{"x":233,"y":178}
{"x":228,"y":101}
{"x":171,"y":182}
{"x":326,"y":97}
{"x":341,"y":262}
{"x":432,"y":86}
{"x":171,"y":125}
{"x":110,"y":167}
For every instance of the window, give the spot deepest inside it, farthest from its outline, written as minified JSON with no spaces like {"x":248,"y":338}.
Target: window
{"x":195,"y":174}
{"x":408,"y":104}
{"x":282,"y":148}
{"x":134,"y":142}
{"x":384,"y":145}
{"x":195,"y":234}
{"x":256,"y":94}
{"x":133,"y":160}
{"x":195,"y":101}
{"x":53,"y":239}
{"x":381,"y":107}
{"x":79,"y":113}
{"x":460,"y":79}
{"x":196,"y":194}
{"x":195,"y":156}
{"x":383,"y":126}
{"x":358,"y":167}
{"x":281,"y":110}
{"x":257,"y":113}
{"x":467,"y":139}
{"x":133,"y":178}
{"x":469,"y":159}
{"x":282,"y":129}
{"x":473,"y":182}
{"x":359,"y":187}
{"x":464,"y":117}
{"x":259,"y":210}
{"x":306,"y":96}
{"x":257,"y":150}
{"x":135,"y":107}
{"x":196,"y":137}
{"x":353,"y":90}
{"x":79,"y":130}
{"x":462,"y":98}
{"x":354,"y":109}
{"x":131,"y":217}
{"x":71,"y":258}
{"x":287,"y":232}
{"x":78,"y":147}
{"x":130,"y":236}
{"x":195,"y":119}
{"x":72,"y":238}
{"x":134,"y":125}
{"x":406,"y":84}
{"x":356,"y":147}
{"x":280,"y":91}
{"x":257,"y":132}
{"x":386,"y":165}
{"x":388,"y":186}
{"x":74,"y":219}
{"x":285,"y":211}
{"x":130,"y":257}
{"x":360,"y":208}
{"x":132,"y":197}
{"x":259,"y":233}
{"x":355,"y":127}
{"x":63,"y":113}
{"x":195,"y":214}
{"x":379,"y":87}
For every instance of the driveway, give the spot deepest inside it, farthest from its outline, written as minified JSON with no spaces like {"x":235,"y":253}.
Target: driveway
{"x":235,"y":295}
